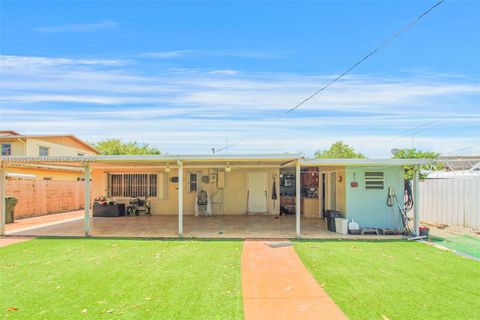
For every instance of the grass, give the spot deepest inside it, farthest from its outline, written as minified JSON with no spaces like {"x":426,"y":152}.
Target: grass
{"x":121,"y":279}
{"x":395,"y":280}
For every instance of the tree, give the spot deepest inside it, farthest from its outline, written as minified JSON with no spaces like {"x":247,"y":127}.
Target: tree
{"x":117,"y":146}
{"x":339,"y":150}
{"x":417,"y":154}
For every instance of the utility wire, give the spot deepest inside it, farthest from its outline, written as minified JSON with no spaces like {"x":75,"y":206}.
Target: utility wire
{"x":381,"y":46}
{"x":414,"y":131}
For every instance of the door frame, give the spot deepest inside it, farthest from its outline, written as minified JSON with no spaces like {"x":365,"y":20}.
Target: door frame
{"x":265,"y":173}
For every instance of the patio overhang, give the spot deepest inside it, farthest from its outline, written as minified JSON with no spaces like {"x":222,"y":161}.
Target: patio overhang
{"x":364,"y":162}
{"x":159,"y":161}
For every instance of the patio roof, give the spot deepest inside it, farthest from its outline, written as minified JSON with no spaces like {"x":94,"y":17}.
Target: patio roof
{"x":283,"y":159}
{"x":364,"y":162}
{"x":143,"y":161}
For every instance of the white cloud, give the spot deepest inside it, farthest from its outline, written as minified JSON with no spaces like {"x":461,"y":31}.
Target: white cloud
{"x":193,"y":110}
{"x":79,"y":27}
{"x":8,"y":62}
{"x":209,"y":53}
{"x":224,"y":72}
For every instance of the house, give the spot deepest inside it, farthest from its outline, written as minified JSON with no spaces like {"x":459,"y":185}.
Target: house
{"x":245,"y":192}
{"x":461,"y":163}
{"x":15,"y":144}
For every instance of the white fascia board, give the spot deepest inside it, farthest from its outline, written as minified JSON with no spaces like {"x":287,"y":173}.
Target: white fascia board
{"x":364,"y":162}
{"x":140,"y":158}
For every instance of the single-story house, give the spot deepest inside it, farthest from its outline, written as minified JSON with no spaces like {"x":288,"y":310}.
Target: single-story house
{"x":244,"y":185}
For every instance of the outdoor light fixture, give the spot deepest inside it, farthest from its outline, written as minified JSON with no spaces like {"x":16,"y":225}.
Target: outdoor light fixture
{"x":228,"y":168}
{"x":167,"y":168}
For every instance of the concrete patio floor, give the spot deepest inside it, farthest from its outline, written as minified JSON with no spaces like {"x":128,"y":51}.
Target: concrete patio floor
{"x":166,"y":226}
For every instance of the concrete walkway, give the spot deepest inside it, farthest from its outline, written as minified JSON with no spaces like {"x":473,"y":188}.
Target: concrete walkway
{"x":43,"y":221}
{"x":276,"y":285}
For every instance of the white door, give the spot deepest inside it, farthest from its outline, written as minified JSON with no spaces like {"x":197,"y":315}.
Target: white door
{"x":257,"y":192}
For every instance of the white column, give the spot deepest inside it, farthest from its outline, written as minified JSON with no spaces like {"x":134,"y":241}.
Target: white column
{"x":2,"y":199}
{"x":416,"y":202}
{"x":180,"y":198}
{"x":298,"y":199}
{"x":87,"y":200}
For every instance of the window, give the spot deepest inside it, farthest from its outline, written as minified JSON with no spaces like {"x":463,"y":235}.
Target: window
{"x":130,"y":185}
{"x":47,"y":178}
{"x":374,"y":180}
{"x":80,"y":154}
{"x":6,"y":149}
{"x":193,"y":181}
{"x":43,"y":151}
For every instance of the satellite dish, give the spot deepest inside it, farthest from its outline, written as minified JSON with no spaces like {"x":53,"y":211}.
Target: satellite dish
{"x":394,"y":151}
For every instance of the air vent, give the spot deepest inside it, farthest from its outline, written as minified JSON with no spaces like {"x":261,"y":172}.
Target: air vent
{"x":374,"y":180}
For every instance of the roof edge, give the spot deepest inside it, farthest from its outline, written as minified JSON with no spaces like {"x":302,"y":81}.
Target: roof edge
{"x":367,"y":162}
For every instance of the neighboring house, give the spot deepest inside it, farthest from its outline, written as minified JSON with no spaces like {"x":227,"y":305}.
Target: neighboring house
{"x":461,"y":163}
{"x":15,"y":144}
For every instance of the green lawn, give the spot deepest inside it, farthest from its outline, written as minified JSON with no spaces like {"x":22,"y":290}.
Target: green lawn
{"x":395,"y":280}
{"x":121,"y":279}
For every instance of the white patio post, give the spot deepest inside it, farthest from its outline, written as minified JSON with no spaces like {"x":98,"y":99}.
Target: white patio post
{"x":416,"y":201}
{"x":2,"y":199}
{"x":87,"y":200}
{"x":180,"y":198}
{"x":297,"y":199}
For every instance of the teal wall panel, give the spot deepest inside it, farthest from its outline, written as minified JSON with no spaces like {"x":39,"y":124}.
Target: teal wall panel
{"x":369,"y":207}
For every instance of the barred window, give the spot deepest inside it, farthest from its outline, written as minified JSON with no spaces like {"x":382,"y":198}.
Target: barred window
{"x":374,"y":180}
{"x":130,"y":185}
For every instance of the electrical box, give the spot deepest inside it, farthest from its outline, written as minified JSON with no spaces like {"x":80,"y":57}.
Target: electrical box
{"x":221,"y":179}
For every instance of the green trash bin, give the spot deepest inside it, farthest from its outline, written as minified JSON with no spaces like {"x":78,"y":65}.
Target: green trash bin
{"x":10,"y":203}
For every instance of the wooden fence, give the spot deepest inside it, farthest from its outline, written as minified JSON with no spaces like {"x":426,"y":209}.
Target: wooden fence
{"x":454,"y":202}
{"x":40,"y":197}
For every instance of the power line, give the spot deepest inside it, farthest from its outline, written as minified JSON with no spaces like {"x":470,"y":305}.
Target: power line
{"x":383,"y":44}
{"x":414,"y":131}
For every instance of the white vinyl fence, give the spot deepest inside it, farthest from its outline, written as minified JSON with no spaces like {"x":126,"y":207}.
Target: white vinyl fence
{"x":454,"y":201}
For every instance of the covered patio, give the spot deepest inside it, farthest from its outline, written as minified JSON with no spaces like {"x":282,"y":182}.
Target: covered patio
{"x":244,"y":191}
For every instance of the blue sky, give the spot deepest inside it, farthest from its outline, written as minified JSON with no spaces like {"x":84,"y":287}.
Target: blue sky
{"x":186,"y":76}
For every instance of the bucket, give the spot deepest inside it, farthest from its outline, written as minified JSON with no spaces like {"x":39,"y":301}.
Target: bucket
{"x":423,"y":231}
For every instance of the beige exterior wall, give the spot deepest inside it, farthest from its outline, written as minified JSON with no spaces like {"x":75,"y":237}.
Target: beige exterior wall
{"x":55,"y":149}
{"x":234,"y":193}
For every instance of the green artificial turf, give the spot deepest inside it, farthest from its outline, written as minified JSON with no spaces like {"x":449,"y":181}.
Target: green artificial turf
{"x":395,"y":280}
{"x":463,"y":243}
{"x":121,"y":279}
